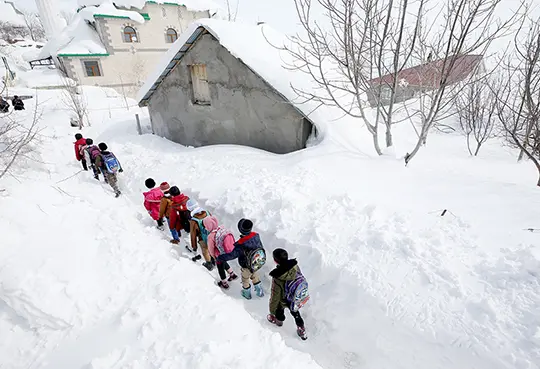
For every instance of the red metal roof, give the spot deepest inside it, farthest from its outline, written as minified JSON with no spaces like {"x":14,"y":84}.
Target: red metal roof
{"x":429,"y":74}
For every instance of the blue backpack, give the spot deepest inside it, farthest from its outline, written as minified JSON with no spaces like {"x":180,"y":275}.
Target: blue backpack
{"x":296,"y":292}
{"x":110,"y":162}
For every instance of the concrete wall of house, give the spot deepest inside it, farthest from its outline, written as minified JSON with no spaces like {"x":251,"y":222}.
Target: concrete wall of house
{"x":129,"y":64}
{"x":243,"y":110}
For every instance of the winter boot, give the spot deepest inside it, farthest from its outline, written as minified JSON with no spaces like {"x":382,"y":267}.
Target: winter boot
{"x":301,"y":331}
{"x":174,"y":242}
{"x":272,"y":319}
{"x":196,"y":258}
{"x":208,"y":265}
{"x":232,"y":277}
{"x":258,"y":289}
{"x":117,"y":194}
{"x":246,"y":292}
{"x":96,"y":177}
{"x":223,"y":284}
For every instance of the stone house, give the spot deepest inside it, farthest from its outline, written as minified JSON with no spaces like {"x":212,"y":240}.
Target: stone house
{"x":113,"y":46}
{"x":425,"y":77}
{"x":223,"y":84}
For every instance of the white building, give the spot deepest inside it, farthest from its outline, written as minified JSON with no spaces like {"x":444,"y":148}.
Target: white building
{"x":119,"y":45}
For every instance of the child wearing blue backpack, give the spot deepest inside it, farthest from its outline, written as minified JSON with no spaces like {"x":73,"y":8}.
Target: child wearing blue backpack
{"x":109,"y":165}
{"x":289,"y":290}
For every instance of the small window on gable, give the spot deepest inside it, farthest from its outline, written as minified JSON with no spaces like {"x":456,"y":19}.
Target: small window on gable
{"x":199,"y":82}
{"x":386,"y":93}
{"x":130,"y":35}
{"x":171,"y":35}
{"x":91,"y":68}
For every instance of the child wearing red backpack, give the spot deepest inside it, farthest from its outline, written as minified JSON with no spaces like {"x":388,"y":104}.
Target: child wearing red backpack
{"x":220,"y":243}
{"x":91,"y":152}
{"x":179,"y":215}
{"x":289,"y":291}
{"x":79,"y":143}
{"x":152,"y":200}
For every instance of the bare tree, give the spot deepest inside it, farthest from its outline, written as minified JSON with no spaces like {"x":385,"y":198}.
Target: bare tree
{"x":475,"y":109}
{"x":469,"y":27}
{"x":74,"y":100}
{"x":356,"y":58}
{"x":232,"y":14}
{"x":11,"y":32}
{"x":518,"y":95}
{"x":16,"y":138}
{"x":34,"y":26}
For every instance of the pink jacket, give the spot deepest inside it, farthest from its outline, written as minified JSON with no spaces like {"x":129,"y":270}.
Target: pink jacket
{"x":152,"y":199}
{"x":227,"y":244}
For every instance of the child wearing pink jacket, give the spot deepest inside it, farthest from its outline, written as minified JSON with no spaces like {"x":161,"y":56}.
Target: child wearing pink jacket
{"x":220,"y":242}
{"x":152,"y":200}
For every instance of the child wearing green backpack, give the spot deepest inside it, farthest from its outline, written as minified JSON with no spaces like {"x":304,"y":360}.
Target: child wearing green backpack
{"x":198,"y":233}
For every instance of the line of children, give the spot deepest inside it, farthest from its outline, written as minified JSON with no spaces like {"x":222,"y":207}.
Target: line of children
{"x":101,"y":160}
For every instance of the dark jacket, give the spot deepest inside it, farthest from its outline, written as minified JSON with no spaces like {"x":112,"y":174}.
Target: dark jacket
{"x":17,"y":104}
{"x":4,"y":106}
{"x":251,"y":241}
{"x":281,"y":274}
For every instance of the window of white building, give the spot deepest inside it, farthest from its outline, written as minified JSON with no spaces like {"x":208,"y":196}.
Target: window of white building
{"x":91,"y":68}
{"x":171,"y":35}
{"x":130,"y":35}
{"x":199,"y":82}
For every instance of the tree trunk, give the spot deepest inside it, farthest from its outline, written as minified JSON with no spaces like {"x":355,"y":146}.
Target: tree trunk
{"x":409,"y":157}
{"x":375,"y":136}
{"x":389,"y":138}
{"x":477,"y":149}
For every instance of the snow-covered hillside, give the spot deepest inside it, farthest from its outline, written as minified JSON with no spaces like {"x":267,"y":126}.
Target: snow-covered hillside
{"x":86,"y":281}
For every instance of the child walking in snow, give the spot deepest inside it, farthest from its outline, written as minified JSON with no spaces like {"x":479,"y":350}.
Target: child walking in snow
{"x":165,"y":207}
{"x":220,"y":243}
{"x":79,"y":143}
{"x":91,"y":152}
{"x":289,"y":290}
{"x":199,"y":234}
{"x":109,"y":165}
{"x":179,"y":215}
{"x":251,"y":257}
{"x":152,"y":201}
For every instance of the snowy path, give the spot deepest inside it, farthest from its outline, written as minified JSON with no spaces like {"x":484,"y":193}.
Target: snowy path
{"x":88,"y":282}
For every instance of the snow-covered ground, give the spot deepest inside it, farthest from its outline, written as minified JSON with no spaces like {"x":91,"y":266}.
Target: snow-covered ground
{"x":87,"y":281}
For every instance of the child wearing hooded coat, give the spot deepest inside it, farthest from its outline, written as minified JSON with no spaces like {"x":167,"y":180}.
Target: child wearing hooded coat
{"x":152,"y":200}
{"x":165,"y":207}
{"x":91,"y":152}
{"x":79,"y":144}
{"x":220,"y":243}
{"x":285,"y":271}
{"x":198,"y":233}
{"x":248,"y":241}
{"x":179,"y":215}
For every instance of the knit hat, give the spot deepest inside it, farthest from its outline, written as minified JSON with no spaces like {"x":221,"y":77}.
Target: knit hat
{"x":280,"y":256}
{"x":102,"y":146}
{"x":210,"y":223}
{"x":150,"y":183}
{"x":194,"y":207}
{"x":245,"y":226}
{"x":174,"y":191}
{"x":164,"y":186}
{"x":78,"y":136}
{"x":89,"y":141}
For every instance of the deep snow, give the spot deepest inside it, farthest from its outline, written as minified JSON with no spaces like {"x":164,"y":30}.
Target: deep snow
{"x":86,"y":281}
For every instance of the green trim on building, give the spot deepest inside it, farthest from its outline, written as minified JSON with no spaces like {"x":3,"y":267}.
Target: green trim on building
{"x":80,"y":55}
{"x":146,"y":16}
{"x":164,"y":3}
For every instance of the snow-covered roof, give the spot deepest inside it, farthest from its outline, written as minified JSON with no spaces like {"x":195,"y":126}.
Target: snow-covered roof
{"x":259,"y":47}
{"x":195,"y":5}
{"x":9,"y":14}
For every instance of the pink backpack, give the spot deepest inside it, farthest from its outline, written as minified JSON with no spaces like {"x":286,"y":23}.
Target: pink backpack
{"x":224,"y":240}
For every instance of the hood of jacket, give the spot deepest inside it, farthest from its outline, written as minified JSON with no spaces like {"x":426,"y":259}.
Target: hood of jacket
{"x":80,"y":142}
{"x":178,"y":199}
{"x":251,"y":241}
{"x":210,"y":223}
{"x":286,"y":271}
{"x":155,"y":194}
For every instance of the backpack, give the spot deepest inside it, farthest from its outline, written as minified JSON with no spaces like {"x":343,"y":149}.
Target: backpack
{"x":296,"y":292}
{"x":93,"y":151}
{"x":221,"y":233}
{"x":203,"y":231}
{"x":110,"y":163}
{"x":255,"y":258}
